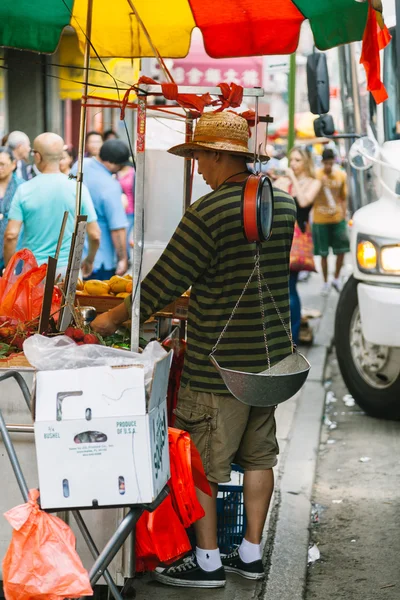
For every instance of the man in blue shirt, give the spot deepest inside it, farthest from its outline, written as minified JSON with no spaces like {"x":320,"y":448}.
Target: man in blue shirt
{"x":106,"y":193}
{"x":39,"y":205}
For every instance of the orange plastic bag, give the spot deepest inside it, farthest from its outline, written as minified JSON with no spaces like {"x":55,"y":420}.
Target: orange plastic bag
{"x":10,"y":277}
{"x":41,"y":561}
{"x":21,"y":296}
{"x":161,"y":535}
{"x":186,"y":475}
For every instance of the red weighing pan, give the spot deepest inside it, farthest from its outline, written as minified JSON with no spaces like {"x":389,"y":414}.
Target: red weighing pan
{"x":257,"y":208}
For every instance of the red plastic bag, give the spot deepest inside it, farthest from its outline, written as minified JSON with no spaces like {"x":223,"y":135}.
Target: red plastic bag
{"x":41,"y":561}
{"x":182,"y":482}
{"x":161,"y":535}
{"x":21,"y":296}
{"x":9,"y":277}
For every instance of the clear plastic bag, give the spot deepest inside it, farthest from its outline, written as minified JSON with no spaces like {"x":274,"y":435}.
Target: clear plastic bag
{"x":60,"y":352}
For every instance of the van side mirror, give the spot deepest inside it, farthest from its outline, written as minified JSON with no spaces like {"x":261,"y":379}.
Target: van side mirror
{"x":318,"y":83}
{"x":324,"y":126}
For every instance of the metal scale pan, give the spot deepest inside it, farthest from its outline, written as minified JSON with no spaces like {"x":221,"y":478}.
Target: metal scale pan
{"x":270,"y":387}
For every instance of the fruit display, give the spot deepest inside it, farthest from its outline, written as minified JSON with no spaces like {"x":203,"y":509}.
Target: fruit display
{"x":116,"y":286}
{"x":13,"y":334}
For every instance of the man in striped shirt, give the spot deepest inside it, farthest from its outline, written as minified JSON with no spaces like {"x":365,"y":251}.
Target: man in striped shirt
{"x":210,"y":253}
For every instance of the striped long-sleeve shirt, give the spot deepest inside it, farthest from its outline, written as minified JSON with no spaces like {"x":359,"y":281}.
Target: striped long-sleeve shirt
{"x":209,"y":252}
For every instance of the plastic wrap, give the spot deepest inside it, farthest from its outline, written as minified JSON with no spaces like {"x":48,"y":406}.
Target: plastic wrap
{"x":61,"y":352}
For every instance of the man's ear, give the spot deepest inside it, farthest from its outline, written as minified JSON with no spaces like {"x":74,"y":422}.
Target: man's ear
{"x":217,"y":156}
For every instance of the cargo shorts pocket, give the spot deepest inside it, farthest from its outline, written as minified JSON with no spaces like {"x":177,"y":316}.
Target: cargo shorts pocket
{"x":199,"y":421}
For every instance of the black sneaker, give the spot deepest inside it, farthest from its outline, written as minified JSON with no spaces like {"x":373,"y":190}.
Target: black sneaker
{"x":188,"y":573}
{"x":234,"y":564}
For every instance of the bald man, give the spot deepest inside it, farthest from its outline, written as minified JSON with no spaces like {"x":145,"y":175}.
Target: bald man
{"x":39,"y":207}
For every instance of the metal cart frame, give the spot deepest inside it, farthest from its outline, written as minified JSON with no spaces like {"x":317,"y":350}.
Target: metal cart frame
{"x":104,"y":557}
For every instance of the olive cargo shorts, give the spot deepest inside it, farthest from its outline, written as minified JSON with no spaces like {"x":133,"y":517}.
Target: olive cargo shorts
{"x":226,"y":431}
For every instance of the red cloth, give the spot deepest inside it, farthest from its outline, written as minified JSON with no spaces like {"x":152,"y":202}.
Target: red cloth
{"x":375,"y":39}
{"x":174,"y":381}
{"x":231,"y":95}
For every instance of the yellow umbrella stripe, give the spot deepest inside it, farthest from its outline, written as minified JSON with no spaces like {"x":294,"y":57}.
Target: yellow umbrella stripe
{"x":116,"y":31}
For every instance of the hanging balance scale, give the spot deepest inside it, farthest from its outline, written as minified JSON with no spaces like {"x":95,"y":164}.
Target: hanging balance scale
{"x":284,"y":379}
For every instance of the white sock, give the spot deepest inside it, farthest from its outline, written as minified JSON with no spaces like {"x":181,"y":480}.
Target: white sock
{"x":209,"y":560}
{"x":249,"y":552}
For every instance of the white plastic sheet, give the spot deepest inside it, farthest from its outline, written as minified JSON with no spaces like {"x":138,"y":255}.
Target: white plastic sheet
{"x":61,"y":352}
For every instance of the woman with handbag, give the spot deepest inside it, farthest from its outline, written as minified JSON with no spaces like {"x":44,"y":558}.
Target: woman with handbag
{"x":301,"y":183}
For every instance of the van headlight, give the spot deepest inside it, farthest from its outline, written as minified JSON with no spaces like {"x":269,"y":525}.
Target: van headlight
{"x":390,"y":259}
{"x":367,"y":255}
{"x":378,"y":255}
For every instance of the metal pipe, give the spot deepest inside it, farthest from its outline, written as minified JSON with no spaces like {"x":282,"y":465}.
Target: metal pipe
{"x":198,"y":89}
{"x":256,"y":157}
{"x":114,"y":544}
{"x":13,"y":459}
{"x":138,"y":231}
{"x":12,"y":428}
{"x":187,"y":173}
{"x":94,"y":552}
{"x":82,"y":124}
{"x":292,"y":100}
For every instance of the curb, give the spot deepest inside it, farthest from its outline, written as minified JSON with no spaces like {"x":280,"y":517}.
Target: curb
{"x":287,"y":559}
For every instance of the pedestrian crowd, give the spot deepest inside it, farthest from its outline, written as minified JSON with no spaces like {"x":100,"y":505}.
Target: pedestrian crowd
{"x":321,"y":199}
{"x":38,"y":185}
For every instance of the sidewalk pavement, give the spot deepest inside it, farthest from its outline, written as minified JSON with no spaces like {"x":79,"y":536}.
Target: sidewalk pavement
{"x":286,"y":534}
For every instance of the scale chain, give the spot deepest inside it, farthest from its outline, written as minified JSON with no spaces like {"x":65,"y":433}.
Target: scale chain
{"x":260,"y":277}
{"x":288,"y":332}
{"x":262,"y":310}
{"x":234,"y":309}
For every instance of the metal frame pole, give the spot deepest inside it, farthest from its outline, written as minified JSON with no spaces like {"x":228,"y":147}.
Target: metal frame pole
{"x":13,"y":459}
{"x":82,"y":124}
{"x":95,"y":553}
{"x":138,"y":231}
{"x":114,"y":544}
{"x":292,"y":101}
{"x":187,"y":173}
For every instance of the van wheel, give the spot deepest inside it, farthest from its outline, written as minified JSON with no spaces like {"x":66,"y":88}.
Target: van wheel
{"x":370,"y":372}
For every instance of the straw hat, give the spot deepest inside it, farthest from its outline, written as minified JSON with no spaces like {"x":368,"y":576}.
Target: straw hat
{"x":222,"y":132}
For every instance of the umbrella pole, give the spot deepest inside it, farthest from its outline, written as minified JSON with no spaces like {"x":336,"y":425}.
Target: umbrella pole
{"x":139,"y":217}
{"x":292,"y":100}
{"x":82,"y":124}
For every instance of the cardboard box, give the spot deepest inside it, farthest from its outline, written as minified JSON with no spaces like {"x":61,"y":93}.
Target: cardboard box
{"x":97,"y":443}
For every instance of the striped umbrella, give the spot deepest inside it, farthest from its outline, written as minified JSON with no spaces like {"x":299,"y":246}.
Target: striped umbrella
{"x":230,"y":28}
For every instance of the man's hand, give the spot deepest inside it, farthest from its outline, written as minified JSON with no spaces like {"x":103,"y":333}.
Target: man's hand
{"x":122,"y":267}
{"x":104,"y":324}
{"x":108,"y":323}
{"x":87,"y":267}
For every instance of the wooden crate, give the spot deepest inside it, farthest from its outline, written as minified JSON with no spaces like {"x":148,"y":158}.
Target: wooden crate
{"x":100,"y":303}
{"x":16,"y":362}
